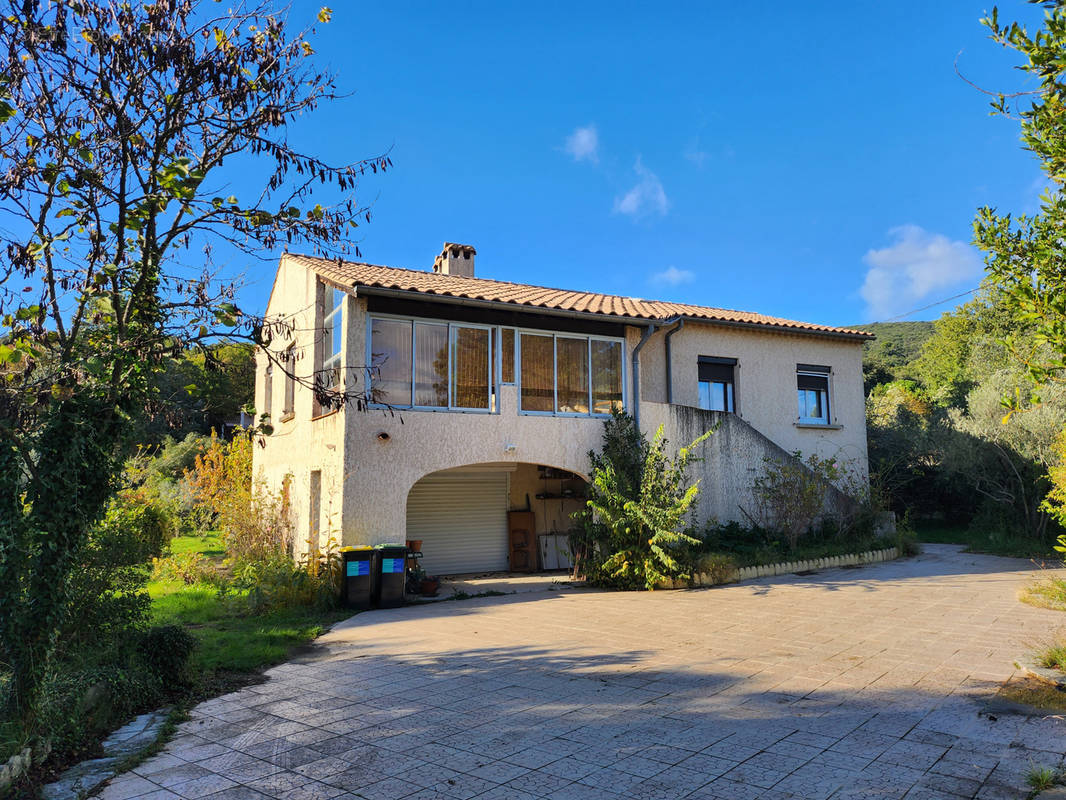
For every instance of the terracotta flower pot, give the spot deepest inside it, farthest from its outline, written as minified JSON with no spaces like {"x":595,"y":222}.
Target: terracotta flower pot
{"x":414,"y":545}
{"x":430,"y":587}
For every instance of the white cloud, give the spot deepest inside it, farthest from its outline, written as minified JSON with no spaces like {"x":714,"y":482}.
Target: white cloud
{"x":915,"y":267}
{"x":647,"y":196}
{"x":672,"y":276}
{"x":584,"y":144}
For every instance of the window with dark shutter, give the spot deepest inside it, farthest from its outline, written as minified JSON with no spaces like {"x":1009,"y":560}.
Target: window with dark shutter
{"x":812,"y":393}
{"x":717,"y":383}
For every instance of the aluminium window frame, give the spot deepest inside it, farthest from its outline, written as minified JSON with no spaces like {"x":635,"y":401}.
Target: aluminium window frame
{"x":496,"y":366}
{"x":590,"y":338}
{"x":451,"y":325}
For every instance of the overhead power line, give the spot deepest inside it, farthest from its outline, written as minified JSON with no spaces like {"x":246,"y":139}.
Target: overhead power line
{"x":931,"y":305}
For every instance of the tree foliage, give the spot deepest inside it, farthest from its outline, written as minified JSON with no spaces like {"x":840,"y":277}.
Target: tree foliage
{"x":119,"y":124}
{"x":1026,"y":255}
{"x":897,"y":344}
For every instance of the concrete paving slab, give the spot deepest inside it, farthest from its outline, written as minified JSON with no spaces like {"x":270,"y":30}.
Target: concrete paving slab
{"x":842,"y":684}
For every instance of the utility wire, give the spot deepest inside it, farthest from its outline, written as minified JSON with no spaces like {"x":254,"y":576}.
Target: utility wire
{"x":931,"y":305}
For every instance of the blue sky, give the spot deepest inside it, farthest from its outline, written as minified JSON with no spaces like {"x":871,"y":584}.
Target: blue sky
{"x":818,"y":161}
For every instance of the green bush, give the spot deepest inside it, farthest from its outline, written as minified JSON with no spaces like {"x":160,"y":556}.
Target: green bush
{"x":755,"y":545}
{"x":639,"y":500}
{"x":74,"y":706}
{"x":188,"y":568}
{"x":165,"y":650}
{"x":133,"y":530}
{"x":276,"y":581}
{"x":718,"y":567}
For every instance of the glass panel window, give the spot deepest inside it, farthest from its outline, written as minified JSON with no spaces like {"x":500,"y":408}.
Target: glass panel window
{"x":471,"y":376}
{"x":716,"y":381}
{"x":606,"y":376}
{"x":506,"y":355}
{"x":716,"y":396}
{"x":812,"y":394}
{"x":572,"y":375}
{"x":268,"y":389}
{"x":333,"y":330}
{"x":390,"y":361}
{"x":288,"y":406}
{"x":431,"y":365}
{"x":538,"y":372}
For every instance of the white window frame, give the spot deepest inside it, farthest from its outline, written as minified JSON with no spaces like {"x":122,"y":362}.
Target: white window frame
{"x":826,"y":417}
{"x":331,"y":365}
{"x":452,"y":326}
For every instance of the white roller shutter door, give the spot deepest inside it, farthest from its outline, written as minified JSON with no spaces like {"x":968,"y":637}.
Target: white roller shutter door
{"x":461,"y":519}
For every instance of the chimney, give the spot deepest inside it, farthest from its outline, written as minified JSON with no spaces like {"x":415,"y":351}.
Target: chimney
{"x":455,"y":259}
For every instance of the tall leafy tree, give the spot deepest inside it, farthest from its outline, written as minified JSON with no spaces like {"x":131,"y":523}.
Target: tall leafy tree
{"x":119,"y":124}
{"x":1026,"y":254}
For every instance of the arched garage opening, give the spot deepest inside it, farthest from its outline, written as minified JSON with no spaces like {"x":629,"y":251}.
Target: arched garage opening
{"x":496,"y":517}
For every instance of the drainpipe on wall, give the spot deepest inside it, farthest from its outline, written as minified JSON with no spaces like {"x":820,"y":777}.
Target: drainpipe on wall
{"x":670,"y":362}
{"x":648,"y":331}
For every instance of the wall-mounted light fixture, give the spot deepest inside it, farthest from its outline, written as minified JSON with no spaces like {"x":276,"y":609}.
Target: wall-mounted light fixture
{"x":383,"y":436}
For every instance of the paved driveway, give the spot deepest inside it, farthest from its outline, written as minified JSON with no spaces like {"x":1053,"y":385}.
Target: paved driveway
{"x":868,"y":682}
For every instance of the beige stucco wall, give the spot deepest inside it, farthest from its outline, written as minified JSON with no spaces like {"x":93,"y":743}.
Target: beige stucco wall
{"x":300,"y":445}
{"x":378,"y":475}
{"x":766,"y":384}
{"x":371,"y":459}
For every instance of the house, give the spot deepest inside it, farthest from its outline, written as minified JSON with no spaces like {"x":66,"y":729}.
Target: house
{"x":486,"y":396}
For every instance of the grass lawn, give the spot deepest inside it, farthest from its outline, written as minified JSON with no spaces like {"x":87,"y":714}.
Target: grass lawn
{"x":231,"y":638}
{"x":209,"y":545}
{"x":994,"y":543}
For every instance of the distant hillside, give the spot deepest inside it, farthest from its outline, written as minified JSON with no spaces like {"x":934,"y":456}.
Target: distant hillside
{"x":897,"y":344}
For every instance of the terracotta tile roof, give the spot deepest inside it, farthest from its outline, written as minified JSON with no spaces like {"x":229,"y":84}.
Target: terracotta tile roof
{"x":348,"y":273}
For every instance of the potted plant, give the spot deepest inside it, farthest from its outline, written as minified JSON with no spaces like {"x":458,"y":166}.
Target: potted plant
{"x":430,"y":586}
{"x":415,"y":576}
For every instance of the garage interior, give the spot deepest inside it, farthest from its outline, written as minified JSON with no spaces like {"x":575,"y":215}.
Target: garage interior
{"x":497,"y":517}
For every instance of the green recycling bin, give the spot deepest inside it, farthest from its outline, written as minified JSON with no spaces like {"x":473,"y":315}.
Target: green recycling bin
{"x":390,"y":574}
{"x":358,"y":583}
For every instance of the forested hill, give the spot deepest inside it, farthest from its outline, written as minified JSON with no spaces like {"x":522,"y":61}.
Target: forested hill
{"x":897,"y":344}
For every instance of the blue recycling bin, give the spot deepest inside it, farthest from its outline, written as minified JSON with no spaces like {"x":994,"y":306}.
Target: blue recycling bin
{"x":357,"y":588}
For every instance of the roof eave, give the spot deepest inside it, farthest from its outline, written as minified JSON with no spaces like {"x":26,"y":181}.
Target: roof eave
{"x":382,"y":291}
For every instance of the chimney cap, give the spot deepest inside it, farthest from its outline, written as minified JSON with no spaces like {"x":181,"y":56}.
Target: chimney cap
{"x":461,"y":248}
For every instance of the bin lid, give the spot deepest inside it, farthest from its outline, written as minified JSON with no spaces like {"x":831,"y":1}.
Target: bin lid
{"x":390,"y":545}
{"x":350,"y":549}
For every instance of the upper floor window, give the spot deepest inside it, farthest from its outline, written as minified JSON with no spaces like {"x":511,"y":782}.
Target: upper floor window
{"x":449,"y":365}
{"x":717,"y":383}
{"x":288,"y":358}
{"x":333,"y":337}
{"x":506,"y":355}
{"x":812,"y":391}
{"x":568,"y":374}
{"x":268,"y":388}
{"x":430,"y":364}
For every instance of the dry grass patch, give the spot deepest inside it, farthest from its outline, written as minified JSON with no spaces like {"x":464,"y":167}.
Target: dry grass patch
{"x":1030,"y":691}
{"x":1049,"y":592}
